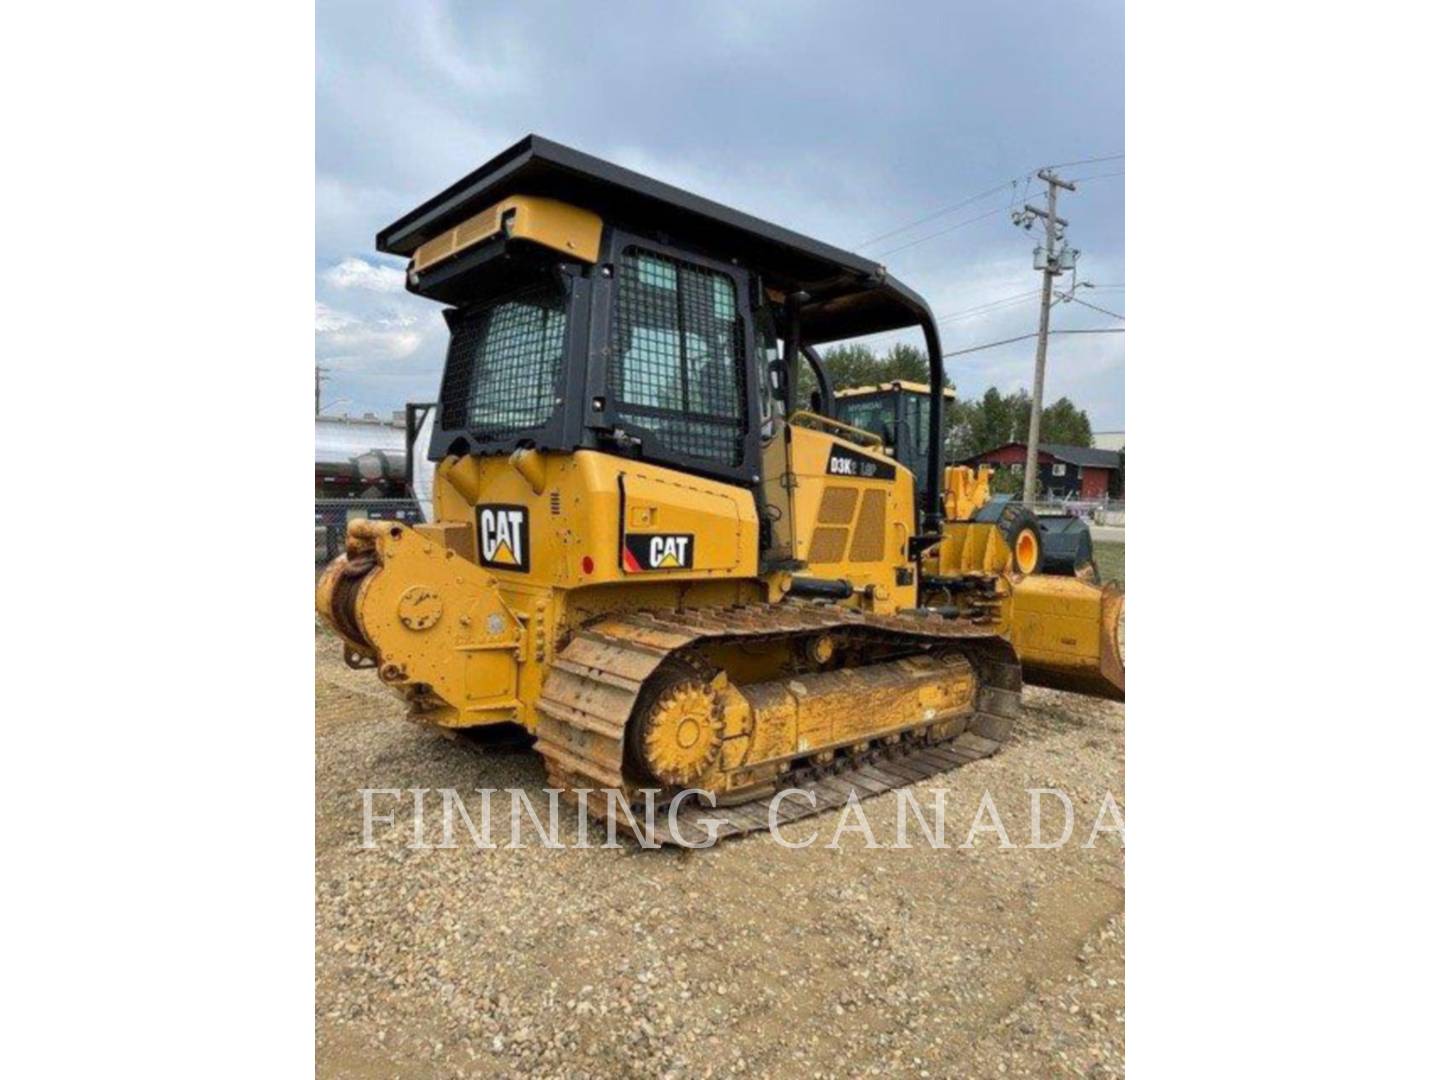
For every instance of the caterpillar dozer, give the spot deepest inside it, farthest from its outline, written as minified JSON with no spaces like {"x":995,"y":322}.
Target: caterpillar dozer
{"x":643,"y":552}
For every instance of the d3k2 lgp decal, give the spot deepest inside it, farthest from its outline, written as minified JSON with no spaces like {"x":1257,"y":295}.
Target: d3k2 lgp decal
{"x":845,"y":462}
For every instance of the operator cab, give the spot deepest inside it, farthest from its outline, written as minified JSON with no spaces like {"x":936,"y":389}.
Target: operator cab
{"x":591,"y":307}
{"x":898,"y":412}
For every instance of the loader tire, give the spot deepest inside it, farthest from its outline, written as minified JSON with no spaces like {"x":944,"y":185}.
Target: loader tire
{"x":1021,"y":530}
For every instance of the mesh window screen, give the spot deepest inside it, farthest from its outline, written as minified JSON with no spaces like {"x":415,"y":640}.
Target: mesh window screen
{"x":677,"y":358}
{"x":503,"y":370}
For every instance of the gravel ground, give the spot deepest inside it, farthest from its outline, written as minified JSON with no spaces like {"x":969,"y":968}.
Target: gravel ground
{"x":745,"y":959}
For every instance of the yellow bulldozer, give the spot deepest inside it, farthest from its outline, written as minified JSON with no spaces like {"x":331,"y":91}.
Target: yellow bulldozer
{"x":643,"y":552}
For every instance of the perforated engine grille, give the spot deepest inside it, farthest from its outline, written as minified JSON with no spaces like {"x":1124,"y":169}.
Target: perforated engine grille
{"x":837,"y":505}
{"x":827,"y":544}
{"x":869,"y":543}
{"x":676,"y":360}
{"x":502,"y":373}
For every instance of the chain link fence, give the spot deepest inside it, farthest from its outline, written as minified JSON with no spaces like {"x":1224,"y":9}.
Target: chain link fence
{"x":333,"y":517}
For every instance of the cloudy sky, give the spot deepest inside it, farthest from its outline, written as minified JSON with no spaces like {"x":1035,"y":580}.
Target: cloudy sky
{"x":846,"y":121}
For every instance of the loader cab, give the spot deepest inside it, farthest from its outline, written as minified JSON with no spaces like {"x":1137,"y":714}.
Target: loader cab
{"x":898,"y":412}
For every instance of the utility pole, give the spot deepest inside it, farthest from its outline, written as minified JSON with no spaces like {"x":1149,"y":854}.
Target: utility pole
{"x":319,"y":377}
{"x":1050,"y":263}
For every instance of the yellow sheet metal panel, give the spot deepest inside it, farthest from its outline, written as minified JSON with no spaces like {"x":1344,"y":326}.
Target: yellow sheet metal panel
{"x":565,"y":228}
{"x":966,"y":490}
{"x":811,"y":480}
{"x":685,"y":525}
{"x":778,"y":496}
{"x":568,"y":534}
{"x":968,"y":547}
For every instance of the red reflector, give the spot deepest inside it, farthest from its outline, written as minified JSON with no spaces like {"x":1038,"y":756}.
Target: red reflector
{"x":587,"y":565}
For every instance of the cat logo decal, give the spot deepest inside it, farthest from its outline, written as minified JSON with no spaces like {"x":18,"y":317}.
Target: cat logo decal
{"x":504,"y":537}
{"x":658,"y":551}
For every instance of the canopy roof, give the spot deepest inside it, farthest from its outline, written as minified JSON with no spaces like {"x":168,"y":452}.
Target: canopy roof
{"x":849,"y":295}
{"x":886,"y":387}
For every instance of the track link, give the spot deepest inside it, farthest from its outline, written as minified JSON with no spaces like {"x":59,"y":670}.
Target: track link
{"x":590,"y":693}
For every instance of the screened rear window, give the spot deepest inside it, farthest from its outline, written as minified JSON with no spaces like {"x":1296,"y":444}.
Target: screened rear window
{"x":503,"y":371}
{"x":677,"y":356}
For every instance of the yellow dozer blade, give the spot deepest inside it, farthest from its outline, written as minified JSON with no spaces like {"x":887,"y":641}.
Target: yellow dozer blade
{"x":1070,"y":634}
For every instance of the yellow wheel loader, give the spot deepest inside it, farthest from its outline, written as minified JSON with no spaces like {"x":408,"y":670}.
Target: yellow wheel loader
{"x":1037,"y":575}
{"x":642,"y":551}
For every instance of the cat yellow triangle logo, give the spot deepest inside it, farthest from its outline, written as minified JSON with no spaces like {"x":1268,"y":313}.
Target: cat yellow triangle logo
{"x":504,"y":537}
{"x":658,"y":551}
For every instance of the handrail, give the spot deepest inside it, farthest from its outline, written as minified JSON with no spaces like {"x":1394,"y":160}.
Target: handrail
{"x":865,"y":438}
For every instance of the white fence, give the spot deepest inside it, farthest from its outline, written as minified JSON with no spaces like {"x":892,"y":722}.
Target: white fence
{"x":1100,"y":511}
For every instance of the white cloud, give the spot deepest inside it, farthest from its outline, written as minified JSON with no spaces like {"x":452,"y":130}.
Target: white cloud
{"x":363,"y":342}
{"x":411,"y":98}
{"x":329,"y":321}
{"x":353,"y":273}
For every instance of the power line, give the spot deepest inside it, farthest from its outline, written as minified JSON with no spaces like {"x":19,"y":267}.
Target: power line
{"x":971,"y":221}
{"x":985,"y":309}
{"x":1093,"y":307}
{"x":942,"y":232}
{"x":939,"y":213}
{"x":1098,"y":176}
{"x":993,"y":285}
{"x":968,"y":313}
{"x":1011,"y":183}
{"x":1027,"y":337}
{"x":1086,"y":161}
{"x":988,"y":303}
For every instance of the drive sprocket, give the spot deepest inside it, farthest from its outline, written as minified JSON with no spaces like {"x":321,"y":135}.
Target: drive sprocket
{"x":679,"y":735}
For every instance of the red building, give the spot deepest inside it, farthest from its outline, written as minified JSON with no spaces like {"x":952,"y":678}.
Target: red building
{"x":1077,"y":472}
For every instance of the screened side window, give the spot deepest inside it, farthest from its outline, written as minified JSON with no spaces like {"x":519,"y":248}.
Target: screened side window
{"x":503,"y":371}
{"x":677,"y":356}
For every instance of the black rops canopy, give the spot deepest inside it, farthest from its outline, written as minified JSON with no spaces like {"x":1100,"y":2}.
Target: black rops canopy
{"x":850,"y":295}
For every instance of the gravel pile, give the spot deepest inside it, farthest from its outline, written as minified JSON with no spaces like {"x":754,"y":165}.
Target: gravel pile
{"x":745,"y":959}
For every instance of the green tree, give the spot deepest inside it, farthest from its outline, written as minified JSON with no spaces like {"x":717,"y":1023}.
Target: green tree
{"x":1004,"y":481}
{"x":858,"y":365}
{"x":1063,"y":423}
{"x":993,"y":424}
{"x":1060,"y":422}
{"x":971,"y":427}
